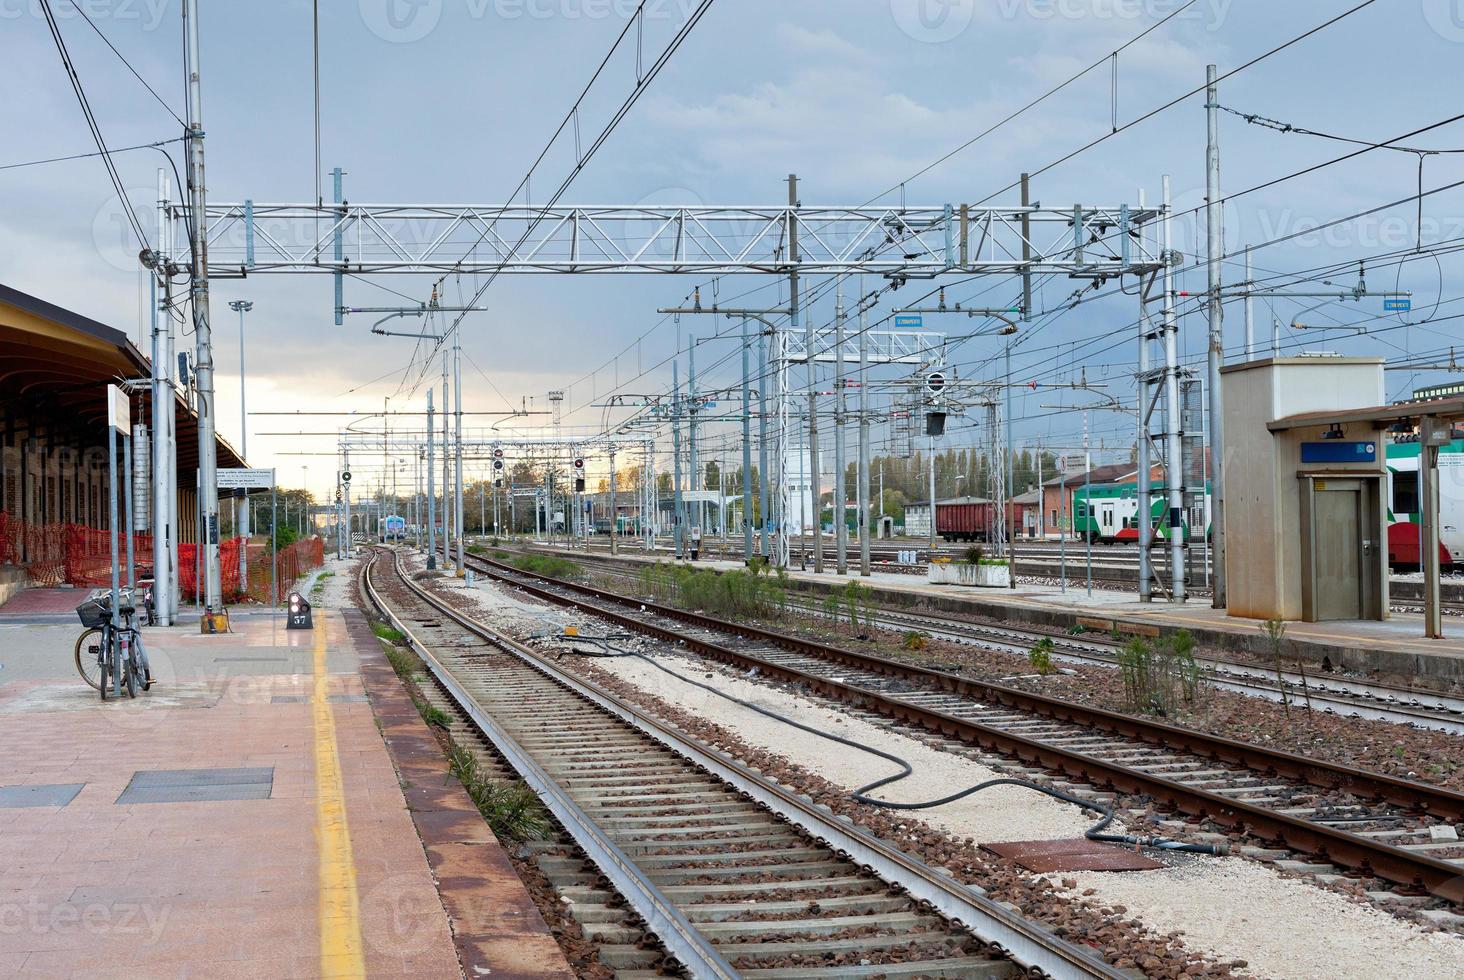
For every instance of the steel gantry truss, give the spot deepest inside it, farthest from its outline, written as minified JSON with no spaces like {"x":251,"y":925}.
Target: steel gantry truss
{"x":415,"y":443}
{"x":898,"y":243}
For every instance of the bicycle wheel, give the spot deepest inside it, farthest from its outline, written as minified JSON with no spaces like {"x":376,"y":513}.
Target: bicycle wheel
{"x":89,"y":656}
{"x":108,"y":661}
{"x":144,"y":669}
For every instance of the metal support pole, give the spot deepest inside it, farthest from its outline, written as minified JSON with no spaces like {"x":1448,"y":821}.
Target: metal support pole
{"x":697,"y":480}
{"x":203,"y":335}
{"x":1088,"y":505}
{"x":932,"y":497}
{"x":1145,"y":515}
{"x":679,"y":518}
{"x":431,"y":489}
{"x":614,"y":509}
{"x":1250,"y":321}
{"x":1173,"y":444}
{"x":746,"y":445}
{"x":164,"y":574}
{"x":841,"y":491}
{"x":131,"y":530}
{"x":447,"y":514}
{"x":1216,"y":358}
{"x":815,"y":492}
{"x":764,"y":474}
{"x":112,"y":537}
{"x":243,"y":306}
{"x":1428,"y":545}
{"x":346,"y":498}
{"x":863,"y":471}
{"x":457,"y":485}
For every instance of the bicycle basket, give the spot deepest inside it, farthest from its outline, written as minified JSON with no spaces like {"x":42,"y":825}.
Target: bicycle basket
{"x":93,"y":612}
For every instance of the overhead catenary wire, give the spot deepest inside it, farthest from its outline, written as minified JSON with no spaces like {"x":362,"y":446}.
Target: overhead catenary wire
{"x":92,"y":124}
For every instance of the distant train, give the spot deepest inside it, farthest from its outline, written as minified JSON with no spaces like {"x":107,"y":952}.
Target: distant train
{"x":1109,"y":513}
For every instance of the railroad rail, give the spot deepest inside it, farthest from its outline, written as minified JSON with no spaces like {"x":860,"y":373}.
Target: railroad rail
{"x":1370,"y":824}
{"x":730,"y":871}
{"x":1345,"y":696}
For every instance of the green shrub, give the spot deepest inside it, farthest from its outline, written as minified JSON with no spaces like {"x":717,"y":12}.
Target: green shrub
{"x":1040,"y":657}
{"x":386,"y":632}
{"x":915,"y":640}
{"x":743,"y":593}
{"x":1159,"y":678}
{"x":403,"y":661}
{"x":549,"y":566}
{"x":512,"y":809}
{"x":432,"y":714}
{"x":974,"y":554}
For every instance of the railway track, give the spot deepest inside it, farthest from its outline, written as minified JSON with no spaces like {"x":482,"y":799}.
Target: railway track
{"x":733,"y":874}
{"x":1341,"y":821}
{"x":1345,"y":696}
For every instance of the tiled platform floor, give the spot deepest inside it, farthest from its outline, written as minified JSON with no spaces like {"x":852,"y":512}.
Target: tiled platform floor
{"x":213,"y":889}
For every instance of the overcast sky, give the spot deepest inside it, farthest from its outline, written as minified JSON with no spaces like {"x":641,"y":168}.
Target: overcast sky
{"x":449,"y":101}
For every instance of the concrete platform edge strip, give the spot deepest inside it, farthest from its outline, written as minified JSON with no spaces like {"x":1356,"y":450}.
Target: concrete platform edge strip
{"x":496,"y":926}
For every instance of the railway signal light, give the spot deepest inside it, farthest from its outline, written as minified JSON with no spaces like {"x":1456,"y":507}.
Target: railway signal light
{"x":935,"y":382}
{"x":935,"y":423}
{"x":579,"y":484}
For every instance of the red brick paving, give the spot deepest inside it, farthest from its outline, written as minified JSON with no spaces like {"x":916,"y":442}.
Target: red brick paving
{"x":28,"y":601}
{"x":213,"y":889}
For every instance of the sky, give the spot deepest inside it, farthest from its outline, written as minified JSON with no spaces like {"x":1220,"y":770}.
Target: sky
{"x":451,"y":101}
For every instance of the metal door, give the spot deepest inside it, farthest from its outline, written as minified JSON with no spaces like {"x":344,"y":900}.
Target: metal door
{"x":1337,"y":526}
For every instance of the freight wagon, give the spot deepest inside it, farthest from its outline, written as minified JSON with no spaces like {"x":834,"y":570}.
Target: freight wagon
{"x":964,"y":521}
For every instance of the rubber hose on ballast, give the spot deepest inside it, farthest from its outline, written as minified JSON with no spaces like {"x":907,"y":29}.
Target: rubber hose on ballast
{"x":860,"y":795}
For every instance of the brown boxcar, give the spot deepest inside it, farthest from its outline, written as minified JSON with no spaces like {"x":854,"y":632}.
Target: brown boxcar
{"x":963,"y":521}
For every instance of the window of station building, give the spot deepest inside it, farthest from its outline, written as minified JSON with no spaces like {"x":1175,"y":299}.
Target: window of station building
{"x":1405,"y":493}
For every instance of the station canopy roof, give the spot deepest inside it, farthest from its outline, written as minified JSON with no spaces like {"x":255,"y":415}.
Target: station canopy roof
{"x":1378,"y":417}
{"x":55,"y":366}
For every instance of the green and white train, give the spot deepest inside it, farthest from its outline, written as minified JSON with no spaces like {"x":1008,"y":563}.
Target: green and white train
{"x":1108,"y":513}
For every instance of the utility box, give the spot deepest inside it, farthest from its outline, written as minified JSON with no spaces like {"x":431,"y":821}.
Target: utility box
{"x":1305,"y":489}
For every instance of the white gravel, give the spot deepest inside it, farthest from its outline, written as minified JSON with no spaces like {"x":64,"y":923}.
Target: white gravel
{"x":1001,"y":813}
{"x":1230,"y":908}
{"x":1282,"y":927}
{"x":335,"y":593}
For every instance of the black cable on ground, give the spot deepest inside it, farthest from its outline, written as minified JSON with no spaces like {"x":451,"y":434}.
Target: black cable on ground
{"x":861,"y":794}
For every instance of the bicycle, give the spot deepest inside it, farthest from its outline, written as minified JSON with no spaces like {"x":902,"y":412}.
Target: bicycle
{"x":118,"y":658}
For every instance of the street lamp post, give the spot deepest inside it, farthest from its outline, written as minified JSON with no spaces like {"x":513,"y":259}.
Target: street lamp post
{"x":242,"y":306}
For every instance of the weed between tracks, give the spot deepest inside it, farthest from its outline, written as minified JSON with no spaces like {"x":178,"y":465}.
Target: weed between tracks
{"x":510,"y":808}
{"x":751,"y":592}
{"x":1162,"y":677}
{"x":407,"y":667}
{"x":548,"y":565}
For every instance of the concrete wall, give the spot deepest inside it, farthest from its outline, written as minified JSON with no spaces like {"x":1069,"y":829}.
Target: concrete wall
{"x":1263,"y":561}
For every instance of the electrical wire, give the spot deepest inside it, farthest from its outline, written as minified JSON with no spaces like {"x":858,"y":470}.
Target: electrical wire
{"x":861,"y":795}
{"x":92,"y":124}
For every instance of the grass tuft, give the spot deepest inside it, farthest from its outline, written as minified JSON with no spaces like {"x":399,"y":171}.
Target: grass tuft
{"x":549,"y":566}
{"x":512,"y":809}
{"x":404,"y":662}
{"x":386,"y":632}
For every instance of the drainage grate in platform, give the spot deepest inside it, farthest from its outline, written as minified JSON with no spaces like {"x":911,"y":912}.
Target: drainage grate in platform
{"x":194,"y":785}
{"x":1044,"y":856}
{"x":55,"y":794}
{"x":332,"y":698}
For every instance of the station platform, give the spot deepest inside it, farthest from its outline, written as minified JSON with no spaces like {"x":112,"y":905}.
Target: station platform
{"x":1395,"y":646}
{"x":274,"y":806}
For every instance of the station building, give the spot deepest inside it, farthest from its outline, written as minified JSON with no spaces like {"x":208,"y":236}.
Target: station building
{"x":55,"y":366}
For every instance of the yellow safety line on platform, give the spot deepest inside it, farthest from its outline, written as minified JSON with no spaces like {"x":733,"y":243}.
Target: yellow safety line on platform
{"x":340,"y":909}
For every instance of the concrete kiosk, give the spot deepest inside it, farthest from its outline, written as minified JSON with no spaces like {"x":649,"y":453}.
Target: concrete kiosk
{"x":1305,"y":489}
